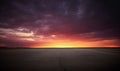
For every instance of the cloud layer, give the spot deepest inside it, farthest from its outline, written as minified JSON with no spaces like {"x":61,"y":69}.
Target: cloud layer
{"x":22,"y":22}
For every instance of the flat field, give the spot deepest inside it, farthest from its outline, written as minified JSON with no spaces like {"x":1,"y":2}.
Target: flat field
{"x":59,"y":59}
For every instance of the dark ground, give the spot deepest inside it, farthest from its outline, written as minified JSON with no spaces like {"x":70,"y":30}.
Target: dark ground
{"x":59,"y":59}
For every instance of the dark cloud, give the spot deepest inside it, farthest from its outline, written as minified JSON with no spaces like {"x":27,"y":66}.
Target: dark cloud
{"x":15,"y":43}
{"x":62,"y":16}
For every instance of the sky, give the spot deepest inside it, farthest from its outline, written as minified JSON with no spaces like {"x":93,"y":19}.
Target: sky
{"x":59,"y":23}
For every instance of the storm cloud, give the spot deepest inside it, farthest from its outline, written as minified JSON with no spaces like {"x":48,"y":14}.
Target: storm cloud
{"x":31,"y":18}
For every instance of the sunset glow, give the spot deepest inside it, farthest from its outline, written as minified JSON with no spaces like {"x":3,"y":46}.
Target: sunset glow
{"x":76,"y":43}
{"x":30,"y":39}
{"x":58,"y":24}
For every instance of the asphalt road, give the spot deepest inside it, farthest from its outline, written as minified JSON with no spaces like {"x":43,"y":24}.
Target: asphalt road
{"x":59,"y":59}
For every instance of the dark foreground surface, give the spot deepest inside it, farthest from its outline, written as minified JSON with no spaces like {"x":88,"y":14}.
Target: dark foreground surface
{"x":59,"y":59}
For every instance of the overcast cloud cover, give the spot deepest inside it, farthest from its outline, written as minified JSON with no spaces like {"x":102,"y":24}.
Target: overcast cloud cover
{"x":28,"y":20}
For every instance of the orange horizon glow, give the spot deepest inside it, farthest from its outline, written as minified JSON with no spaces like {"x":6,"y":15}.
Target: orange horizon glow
{"x":76,"y":43}
{"x":64,"y":41}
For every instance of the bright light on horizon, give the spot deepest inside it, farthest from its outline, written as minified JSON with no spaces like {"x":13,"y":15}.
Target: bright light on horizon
{"x":65,"y":43}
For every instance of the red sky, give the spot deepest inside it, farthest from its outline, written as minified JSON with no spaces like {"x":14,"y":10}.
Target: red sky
{"x":59,"y":23}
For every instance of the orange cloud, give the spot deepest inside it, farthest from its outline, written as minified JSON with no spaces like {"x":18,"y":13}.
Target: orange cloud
{"x":76,"y":43}
{"x":54,"y":40}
